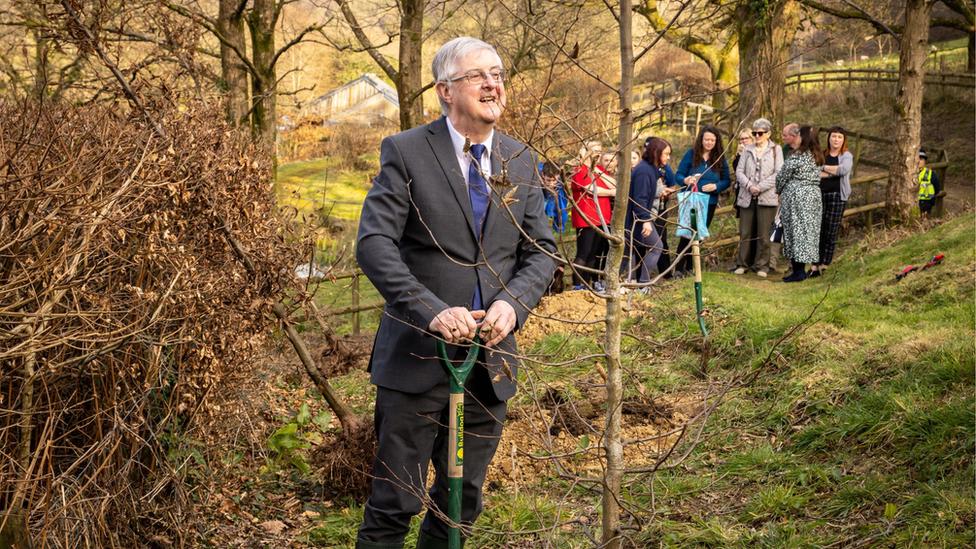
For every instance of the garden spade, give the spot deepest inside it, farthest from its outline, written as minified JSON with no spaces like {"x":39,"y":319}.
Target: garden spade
{"x":455,"y":447}
{"x":696,"y":261}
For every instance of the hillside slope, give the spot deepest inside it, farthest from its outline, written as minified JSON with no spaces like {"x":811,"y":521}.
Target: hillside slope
{"x":861,"y":433}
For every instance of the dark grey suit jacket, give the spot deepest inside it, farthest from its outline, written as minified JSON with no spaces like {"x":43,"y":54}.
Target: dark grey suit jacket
{"x":417,"y":245}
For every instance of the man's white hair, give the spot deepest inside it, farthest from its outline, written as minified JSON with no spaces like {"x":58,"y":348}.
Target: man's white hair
{"x":448,"y":59}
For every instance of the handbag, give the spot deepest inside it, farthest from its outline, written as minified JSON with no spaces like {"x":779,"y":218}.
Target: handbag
{"x":776,"y":231}
{"x":692,"y":215}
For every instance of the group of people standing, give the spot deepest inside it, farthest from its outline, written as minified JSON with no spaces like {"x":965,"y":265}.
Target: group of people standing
{"x":703,"y":168}
{"x":799,"y":186}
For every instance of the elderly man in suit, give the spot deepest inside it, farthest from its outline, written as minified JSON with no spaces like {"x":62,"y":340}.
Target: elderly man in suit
{"x":454,"y":235}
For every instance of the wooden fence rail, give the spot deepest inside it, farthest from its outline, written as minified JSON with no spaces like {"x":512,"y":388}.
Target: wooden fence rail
{"x":880,"y":76}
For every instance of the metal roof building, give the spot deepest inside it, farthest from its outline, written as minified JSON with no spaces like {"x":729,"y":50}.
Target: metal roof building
{"x":366,"y":100}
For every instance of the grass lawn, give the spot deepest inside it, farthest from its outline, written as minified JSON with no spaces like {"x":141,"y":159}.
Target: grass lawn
{"x":314,"y":186}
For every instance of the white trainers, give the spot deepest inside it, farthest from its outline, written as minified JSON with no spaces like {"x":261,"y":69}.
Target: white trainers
{"x":761,"y":274}
{"x":740,"y":271}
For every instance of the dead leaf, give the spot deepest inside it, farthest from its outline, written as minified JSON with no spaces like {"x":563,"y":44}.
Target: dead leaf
{"x":273,"y":527}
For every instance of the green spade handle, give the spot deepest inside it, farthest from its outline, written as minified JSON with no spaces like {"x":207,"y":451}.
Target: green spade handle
{"x":455,"y":456}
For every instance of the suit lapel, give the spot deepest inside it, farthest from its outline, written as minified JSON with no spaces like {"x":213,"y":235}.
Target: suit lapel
{"x":440,"y":142}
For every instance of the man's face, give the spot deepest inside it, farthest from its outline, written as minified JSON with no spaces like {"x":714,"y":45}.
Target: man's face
{"x":788,"y":137}
{"x":474,"y":107}
{"x":921,"y":162}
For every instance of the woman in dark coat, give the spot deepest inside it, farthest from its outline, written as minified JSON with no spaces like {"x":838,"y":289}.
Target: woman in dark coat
{"x":645,"y":249}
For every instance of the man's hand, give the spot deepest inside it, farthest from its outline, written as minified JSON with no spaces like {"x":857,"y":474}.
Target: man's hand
{"x":499,"y":321}
{"x":456,"y":324}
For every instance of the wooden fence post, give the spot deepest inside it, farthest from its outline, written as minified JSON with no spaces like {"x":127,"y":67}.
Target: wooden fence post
{"x":698,"y":113}
{"x":684,"y":117}
{"x":355,"y":303}
{"x":868,"y":195}
{"x":857,"y":153}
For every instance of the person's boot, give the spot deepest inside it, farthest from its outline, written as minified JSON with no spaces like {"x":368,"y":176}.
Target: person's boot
{"x":360,"y":544}
{"x":427,"y":541}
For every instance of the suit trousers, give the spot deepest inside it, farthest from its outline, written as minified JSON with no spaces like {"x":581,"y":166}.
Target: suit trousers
{"x":754,"y":224}
{"x":412,"y":430}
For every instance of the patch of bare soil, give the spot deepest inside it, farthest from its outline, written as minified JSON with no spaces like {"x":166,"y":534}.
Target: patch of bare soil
{"x":576,"y":312}
{"x":568,"y":434}
{"x":559,"y":428}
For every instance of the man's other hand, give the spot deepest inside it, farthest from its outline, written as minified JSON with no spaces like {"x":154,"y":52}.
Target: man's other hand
{"x":498,"y":323}
{"x":457,"y":324}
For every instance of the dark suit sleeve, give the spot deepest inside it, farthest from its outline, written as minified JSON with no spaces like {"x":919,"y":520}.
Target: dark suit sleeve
{"x":535,"y":267}
{"x":381,"y":225}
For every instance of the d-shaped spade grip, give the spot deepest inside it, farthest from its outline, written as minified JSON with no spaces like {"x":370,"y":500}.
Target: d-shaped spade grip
{"x":455,"y":456}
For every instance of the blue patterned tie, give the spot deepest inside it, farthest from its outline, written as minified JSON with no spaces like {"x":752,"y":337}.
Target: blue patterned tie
{"x":477,"y":187}
{"x":478,"y":191}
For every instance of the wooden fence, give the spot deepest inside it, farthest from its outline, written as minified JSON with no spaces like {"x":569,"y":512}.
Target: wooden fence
{"x":857,"y":141}
{"x":689,"y":117}
{"x":879,"y":76}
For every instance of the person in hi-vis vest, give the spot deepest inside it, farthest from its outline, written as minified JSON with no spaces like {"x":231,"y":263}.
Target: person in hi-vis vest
{"x":928,"y":185}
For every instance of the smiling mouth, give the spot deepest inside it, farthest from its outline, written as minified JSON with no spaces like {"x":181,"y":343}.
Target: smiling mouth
{"x":487,"y":99}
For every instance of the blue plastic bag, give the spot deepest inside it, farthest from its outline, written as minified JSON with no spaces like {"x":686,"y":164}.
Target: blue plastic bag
{"x":692,"y":215}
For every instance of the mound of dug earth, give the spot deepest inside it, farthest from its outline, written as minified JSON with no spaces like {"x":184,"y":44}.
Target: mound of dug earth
{"x":576,"y":312}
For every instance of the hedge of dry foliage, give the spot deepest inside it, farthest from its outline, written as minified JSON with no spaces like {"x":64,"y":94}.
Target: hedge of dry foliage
{"x":121,"y":306}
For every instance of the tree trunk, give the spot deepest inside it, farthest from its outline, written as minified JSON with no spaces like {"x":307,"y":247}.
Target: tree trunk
{"x":722,"y":58}
{"x":908,"y":110}
{"x":971,"y":53}
{"x":13,"y":520}
{"x":230,"y":24}
{"x":409,"y":81}
{"x":765,"y":36}
{"x":13,"y":529}
{"x":725,"y":74}
{"x":612,"y":444}
{"x":264,"y":123}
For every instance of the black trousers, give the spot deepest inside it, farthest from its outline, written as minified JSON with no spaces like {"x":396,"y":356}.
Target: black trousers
{"x":412,"y":430}
{"x":590,"y":246}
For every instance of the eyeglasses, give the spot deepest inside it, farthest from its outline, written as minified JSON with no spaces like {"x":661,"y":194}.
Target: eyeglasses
{"x":758,"y":133}
{"x":478,"y":76}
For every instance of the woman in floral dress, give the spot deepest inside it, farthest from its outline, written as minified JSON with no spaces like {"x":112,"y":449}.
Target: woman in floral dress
{"x":801,"y":208}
